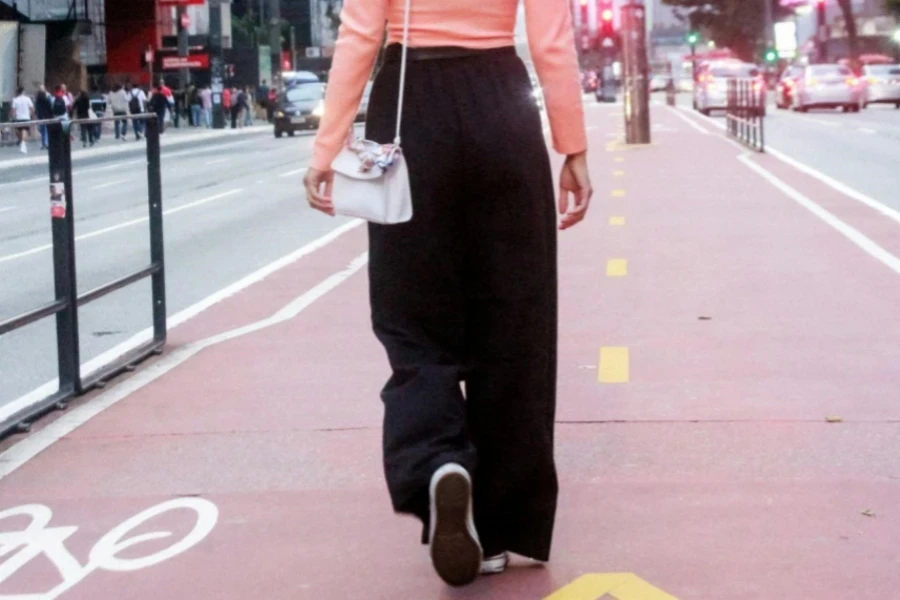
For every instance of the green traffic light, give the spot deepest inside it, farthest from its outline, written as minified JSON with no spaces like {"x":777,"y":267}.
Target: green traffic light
{"x":692,"y":38}
{"x":771,"y":56}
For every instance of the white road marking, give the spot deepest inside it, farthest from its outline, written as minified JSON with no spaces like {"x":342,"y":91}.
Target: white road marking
{"x":38,"y":539}
{"x":217,"y":161}
{"x":78,"y":172}
{"x":34,"y":444}
{"x":177,"y":319}
{"x":867,"y":130}
{"x":831,"y":182}
{"x":690,"y":122}
{"x":109,"y":184}
{"x":823,"y":122}
{"x":8,"y":208}
{"x":870,"y":247}
{"x":292,"y":173}
{"x":122,"y":225}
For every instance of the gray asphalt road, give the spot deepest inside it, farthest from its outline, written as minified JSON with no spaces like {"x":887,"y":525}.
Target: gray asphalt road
{"x":232,"y":206}
{"x":861,"y":150}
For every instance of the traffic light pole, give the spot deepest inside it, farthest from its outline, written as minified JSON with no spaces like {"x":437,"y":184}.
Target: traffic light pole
{"x":637,"y":74}
{"x":275,"y":37}
{"x":821,"y":30}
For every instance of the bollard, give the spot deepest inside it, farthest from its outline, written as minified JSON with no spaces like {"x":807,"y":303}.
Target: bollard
{"x":62,"y":223}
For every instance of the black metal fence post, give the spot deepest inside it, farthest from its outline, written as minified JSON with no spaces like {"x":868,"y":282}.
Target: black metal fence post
{"x":63,"y":230}
{"x":154,"y":185}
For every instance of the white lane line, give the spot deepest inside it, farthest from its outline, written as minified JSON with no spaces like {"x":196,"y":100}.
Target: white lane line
{"x":217,"y":161}
{"x":690,"y":122}
{"x":854,"y":235}
{"x":867,"y":130}
{"x":110,"y":184}
{"x":823,"y":122}
{"x":831,"y":182}
{"x":106,"y":167}
{"x":6,"y":209}
{"x":118,"y":226}
{"x":34,"y":444}
{"x":292,"y":173}
{"x":96,"y":363}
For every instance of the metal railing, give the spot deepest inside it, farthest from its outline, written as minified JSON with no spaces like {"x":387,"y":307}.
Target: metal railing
{"x":67,"y":299}
{"x":746,"y":111}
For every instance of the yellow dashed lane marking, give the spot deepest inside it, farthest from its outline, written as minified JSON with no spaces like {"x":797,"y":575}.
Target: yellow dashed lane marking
{"x":619,"y":159}
{"x":618,"y":173}
{"x":616,"y":267}
{"x":613,"y":366}
{"x":618,"y":193}
{"x":617,"y":221}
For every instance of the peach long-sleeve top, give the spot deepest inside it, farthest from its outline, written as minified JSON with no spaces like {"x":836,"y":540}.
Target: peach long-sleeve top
{"x":467,"y":23}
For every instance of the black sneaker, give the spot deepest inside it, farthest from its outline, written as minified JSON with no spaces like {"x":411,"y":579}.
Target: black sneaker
{"x":455,"y":549}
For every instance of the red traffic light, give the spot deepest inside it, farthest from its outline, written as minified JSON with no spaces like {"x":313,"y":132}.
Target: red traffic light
{"x":607,"y":15}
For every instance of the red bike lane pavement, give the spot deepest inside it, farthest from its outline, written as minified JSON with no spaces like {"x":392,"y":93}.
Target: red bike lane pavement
{"x":710,"y":327}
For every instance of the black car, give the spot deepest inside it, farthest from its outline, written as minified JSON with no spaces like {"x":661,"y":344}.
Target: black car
{"x":299,"y":107}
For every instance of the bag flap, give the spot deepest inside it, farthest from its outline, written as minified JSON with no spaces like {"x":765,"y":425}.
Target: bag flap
{"x":347,"y":164}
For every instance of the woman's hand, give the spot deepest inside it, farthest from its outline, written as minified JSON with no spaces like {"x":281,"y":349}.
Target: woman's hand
{"x":318,"y":190}
{"x":574,"y":180}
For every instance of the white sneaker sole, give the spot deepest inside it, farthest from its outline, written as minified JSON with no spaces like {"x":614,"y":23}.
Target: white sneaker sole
{"x":455,"y":549}
{"x":494,"y":565}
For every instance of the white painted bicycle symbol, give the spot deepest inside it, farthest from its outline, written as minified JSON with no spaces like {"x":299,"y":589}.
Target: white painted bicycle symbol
{"x":18,"y":548}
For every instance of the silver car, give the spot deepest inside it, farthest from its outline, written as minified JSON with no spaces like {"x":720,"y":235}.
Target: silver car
{"x":882,"y":84}
{"x":827,"y":86}
{"x":711,"y":91}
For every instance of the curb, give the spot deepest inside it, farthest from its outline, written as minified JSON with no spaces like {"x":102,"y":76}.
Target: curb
{"x":164,"y":142}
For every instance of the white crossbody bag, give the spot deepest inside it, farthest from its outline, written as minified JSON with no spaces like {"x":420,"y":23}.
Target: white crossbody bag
{"x":371,"y":181}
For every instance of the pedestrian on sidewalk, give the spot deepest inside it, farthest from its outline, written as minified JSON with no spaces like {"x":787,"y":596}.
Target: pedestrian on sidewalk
{"x":196,"y":102}
{"x":249,"y":103}
{"x":137,"y":101}
{"x":43,"y":107}
{"x":118,"y":101}
{"x":226,"y":103}
{"x":239,"y":103}
{"x":206,"y":99}
{"x":465,"y":292}
{"x":82,"y":109}
{"x":159,"y":104}
{"x":23,"y":112}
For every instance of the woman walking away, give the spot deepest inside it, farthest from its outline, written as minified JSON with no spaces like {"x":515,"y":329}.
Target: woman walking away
{"x":465,"y":292}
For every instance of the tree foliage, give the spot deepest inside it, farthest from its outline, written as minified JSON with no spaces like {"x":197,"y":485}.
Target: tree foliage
{"x":893,"y":6}
{"x":735,"y":24}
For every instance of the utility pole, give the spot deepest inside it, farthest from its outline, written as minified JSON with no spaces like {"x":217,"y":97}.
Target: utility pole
{"x":637,"y":73}
{"x":275,"y":37}
{"x":293,"y":49}
{"x":183,"y":51}
{"x":216,"y":63}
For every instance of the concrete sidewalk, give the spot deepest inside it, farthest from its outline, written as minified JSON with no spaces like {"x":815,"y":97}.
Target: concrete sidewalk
{"x":11,"y":157}
{"x":711,"y":327}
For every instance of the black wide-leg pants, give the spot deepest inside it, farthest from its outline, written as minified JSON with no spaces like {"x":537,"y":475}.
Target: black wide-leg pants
{"x":464,"y":296}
